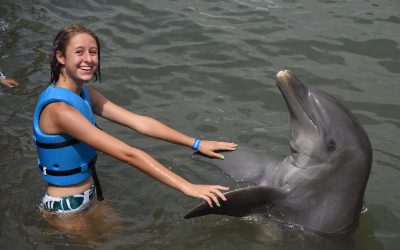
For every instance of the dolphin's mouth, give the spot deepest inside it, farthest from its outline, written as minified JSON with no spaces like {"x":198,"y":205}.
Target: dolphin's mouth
{"x":295,"y":94}
{"x":304,"y":130}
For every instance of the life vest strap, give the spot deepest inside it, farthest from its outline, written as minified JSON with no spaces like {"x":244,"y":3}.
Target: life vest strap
{"x":57,"y":145}
{"x":92,"y":169}
{"x":47,"y":171}
{"x":96,"y":180}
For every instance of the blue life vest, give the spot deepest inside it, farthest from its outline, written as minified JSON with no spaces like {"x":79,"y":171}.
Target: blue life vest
{"x":63,"y":160}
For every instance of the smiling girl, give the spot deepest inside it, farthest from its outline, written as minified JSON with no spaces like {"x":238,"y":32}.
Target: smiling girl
{"x":68,"y":139}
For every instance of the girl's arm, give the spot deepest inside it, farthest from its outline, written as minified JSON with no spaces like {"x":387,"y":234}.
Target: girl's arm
{"x":59,"y":118}
{"x":151,"y":127}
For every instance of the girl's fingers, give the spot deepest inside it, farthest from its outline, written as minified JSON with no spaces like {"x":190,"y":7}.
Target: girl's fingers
{"x":216,"y":155}
{"x":215,"y":193}
{"x":226,"y":146}
{"x":222,"y":187}
{"x":209,"y":147}
{"x":210,"y":197}
{"x":208,"y":200}
{"x":209,"y":193}
{"x":215,"y":145}
{"x":220,"y":194}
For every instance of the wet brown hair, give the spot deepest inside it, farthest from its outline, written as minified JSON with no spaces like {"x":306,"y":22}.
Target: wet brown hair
{"x":60,"y":44}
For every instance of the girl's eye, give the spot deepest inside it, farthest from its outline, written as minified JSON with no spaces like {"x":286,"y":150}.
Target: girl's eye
{"x":79,"y":52}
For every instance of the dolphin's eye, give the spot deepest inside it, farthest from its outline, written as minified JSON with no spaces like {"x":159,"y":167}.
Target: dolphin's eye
{"x":331,"y":145}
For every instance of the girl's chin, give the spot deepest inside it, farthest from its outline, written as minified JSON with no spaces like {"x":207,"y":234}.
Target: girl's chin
{"x":83,"y":80}
{"x":86,"y":78}
{"x":86,"y":74}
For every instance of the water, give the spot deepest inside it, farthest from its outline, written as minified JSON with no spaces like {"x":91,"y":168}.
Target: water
{"x":207,"y":69}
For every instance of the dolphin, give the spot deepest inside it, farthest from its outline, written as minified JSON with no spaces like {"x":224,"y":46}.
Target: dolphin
{"x":320,"y":186}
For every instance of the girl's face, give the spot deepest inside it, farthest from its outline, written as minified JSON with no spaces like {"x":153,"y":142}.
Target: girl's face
{"x":80,"y":59}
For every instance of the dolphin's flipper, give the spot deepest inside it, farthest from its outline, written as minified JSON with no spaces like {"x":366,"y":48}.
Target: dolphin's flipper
{"x":244,"y":165}
{"x":242,"y":202}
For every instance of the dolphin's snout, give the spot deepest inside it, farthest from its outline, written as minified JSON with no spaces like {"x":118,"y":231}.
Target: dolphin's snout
{"x":283,"y":75}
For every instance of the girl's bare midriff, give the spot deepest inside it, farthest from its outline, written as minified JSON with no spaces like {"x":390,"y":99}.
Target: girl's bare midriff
{"x":58,"y":191}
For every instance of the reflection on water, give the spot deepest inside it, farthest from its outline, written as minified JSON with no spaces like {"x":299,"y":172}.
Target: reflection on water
{"x":206,"y":68}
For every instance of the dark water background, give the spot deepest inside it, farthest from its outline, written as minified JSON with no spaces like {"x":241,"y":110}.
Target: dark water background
{"x":207,"y":69}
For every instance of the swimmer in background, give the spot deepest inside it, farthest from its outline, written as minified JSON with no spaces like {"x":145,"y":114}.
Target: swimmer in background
{"x":8,"y":81}
{"x":64,"y":125}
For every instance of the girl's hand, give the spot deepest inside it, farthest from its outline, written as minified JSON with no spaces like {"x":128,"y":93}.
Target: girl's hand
{"x":209,"y":193}
{"x":209,"y":147}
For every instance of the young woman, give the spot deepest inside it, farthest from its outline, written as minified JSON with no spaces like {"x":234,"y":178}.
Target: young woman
{"x":67,"y":138}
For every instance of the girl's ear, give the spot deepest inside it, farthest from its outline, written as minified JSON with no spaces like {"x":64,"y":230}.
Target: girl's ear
{"x":60,"y":57}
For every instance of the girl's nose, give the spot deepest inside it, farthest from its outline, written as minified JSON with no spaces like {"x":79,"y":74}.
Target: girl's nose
{"x":87,"y":57}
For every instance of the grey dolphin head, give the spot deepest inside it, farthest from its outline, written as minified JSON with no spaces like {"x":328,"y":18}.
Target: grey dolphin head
{"x":321,"y":184}
{"x":321,"y":127}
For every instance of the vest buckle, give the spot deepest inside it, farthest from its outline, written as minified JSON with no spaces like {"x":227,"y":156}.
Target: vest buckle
{"x":44,"y":170}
